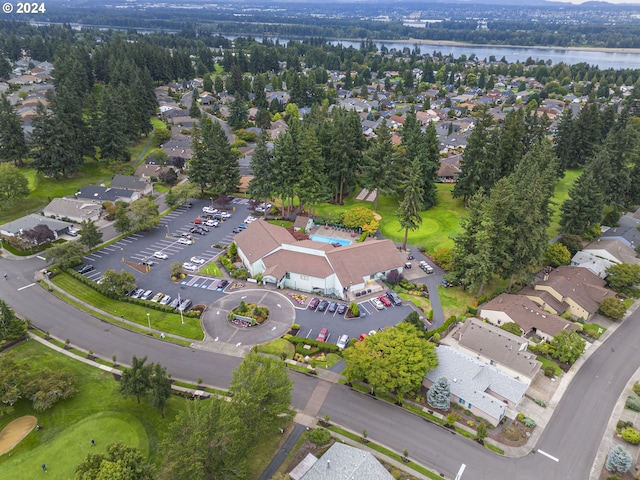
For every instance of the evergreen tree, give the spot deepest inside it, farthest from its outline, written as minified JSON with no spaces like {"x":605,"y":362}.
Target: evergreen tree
{"x":286,"y":167}
{"x":136,"y":380}
{"x":439,"y":395}
{"x":311,"y":187}
{"x":112,"y":130}
{"x":510,"y":144}
{"x":159,"y":387}
{"x":477,"y":164}
{"x":261,"y":185}
{"x":194,"y":110}
{"x":90,"y":235}
{"x":238,"y":114}
{"x":564,"y":141}
{"x":586,"y":134}
{"x":618,"y":460}
{"x":13,"y":147}
{"x":379,"y":167}
{"x":584,"y":206}
{"x":412,"y":201}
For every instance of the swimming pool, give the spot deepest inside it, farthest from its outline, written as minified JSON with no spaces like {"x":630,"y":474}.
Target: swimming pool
{"x":323,"y":239}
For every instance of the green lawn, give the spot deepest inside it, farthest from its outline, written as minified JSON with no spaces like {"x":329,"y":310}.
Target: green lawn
{"x":211,"y":269}
{"x":560,"y":195}
{"x":97,"y":411}
{"x":166,"y":322}
{"x":439,"y":224}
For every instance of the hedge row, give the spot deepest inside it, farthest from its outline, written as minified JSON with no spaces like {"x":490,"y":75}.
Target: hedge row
{"x":136,"y":301}
{"x":239,"y":273}
{"x":319,"y":346}
{"x":443,"y":328}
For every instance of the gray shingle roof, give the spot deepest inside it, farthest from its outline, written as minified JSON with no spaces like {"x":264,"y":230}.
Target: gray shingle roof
{"x":470,"y":380}
{"x":29,"y":221}
{"x":343,"y":462}
{"x":126,"y":182}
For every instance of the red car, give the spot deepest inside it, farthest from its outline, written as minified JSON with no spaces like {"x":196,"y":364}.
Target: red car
{"x":385,"y":300}
{"x":197,"y":221}
{"x":323,"y":335}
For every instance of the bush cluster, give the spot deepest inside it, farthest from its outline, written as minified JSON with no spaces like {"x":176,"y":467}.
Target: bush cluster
{"x":316,"y":346}
{"x":239,"y":273}
{"x":633,"y":402}
{"x":631,"y":435}
{"x":443,"y":328}
{"x":320,"y":436}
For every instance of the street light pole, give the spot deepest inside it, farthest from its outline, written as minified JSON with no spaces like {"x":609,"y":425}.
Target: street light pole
{"x":149,"y":320}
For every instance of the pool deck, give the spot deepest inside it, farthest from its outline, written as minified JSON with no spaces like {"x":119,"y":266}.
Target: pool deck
{"x":335,"y":233}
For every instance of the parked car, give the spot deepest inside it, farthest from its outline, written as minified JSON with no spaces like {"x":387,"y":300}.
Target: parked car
{"x":212,"y":223}
{"x":313,"y":304}
{"x":138,"y":293}
{"x":148,"y":263}
{"x":237,"y":230}
{"x":222,"y":285}
{"x":323,"y":336}
{"x":72,"y":232}
{"x":197,"y":221}
{"x":209,"y":210}
{"x":189,"y":266}
{"x":197,"y":260}
{"x":147,"y":295}
{"x":394,"y":297}
{"x":377,"y":303}
{"x":165,"y":300}
{"x":161,"y":255}
{"x":363,"y":336}
{"x":385,"y":300}
{"x":185,"y":241}
{"x":342,"y":309}
{"x":86,"y":268}
{"x":175,"y":303}
{"x":184,"y":305}
{"x":333,"y":306}
{"x":157,"y":297}
{"x":322,"y":306}
{"x":343,"y":341}
{"x":185,"y":235}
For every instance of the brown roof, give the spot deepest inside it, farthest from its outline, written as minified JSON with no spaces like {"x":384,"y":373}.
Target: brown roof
{"x":580,"y":285}
{"x":498,"y":345}
{"x":353,"y":262}
{"x":301,"y":221}
{"x":448,"y":170}
{"x":545,"y":297}
{"x":151,"y":170}
{"x":283,"y":261}
{"x":261,"y":238}
{"x":528,"y":315}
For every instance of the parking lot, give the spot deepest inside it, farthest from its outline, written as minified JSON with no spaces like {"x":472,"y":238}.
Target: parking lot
{"x":139,"y":248}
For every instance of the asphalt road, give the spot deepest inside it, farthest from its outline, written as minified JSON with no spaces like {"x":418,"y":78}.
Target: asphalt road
{"x":572,"y":436}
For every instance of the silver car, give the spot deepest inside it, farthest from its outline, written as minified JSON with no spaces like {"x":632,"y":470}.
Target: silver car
{"x":343,"y":341}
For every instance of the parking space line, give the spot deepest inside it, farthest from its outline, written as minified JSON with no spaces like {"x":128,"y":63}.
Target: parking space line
{"x":126,"y":241}
{"x":365,"y":308}
{"x":137,"y":235}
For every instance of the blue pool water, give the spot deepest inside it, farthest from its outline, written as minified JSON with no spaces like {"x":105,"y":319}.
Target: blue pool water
{"x":323,"y":239}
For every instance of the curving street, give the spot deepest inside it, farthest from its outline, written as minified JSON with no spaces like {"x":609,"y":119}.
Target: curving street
{"x":572,"y":436}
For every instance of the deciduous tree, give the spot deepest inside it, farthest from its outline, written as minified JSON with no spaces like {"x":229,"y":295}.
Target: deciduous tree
{"x":118,"y":283}
{"x":261,"y":395}
{"x":623,"y":275}
{"x":557,"y":254}
{"x":13,"y":184}
{"x":393,"y":361}
{"x":121,"y":462}
{"x":160,"y":387}
{"x":567,"y":347}
{"x":613,"y":308}
{"x":65,"y":255}
{"x":47,"y":387}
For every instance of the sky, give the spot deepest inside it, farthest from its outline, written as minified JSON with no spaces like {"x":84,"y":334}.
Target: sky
{"x":633,"y":2}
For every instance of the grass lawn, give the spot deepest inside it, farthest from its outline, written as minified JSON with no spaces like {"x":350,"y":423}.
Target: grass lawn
{"x":43,"y":190}
{"x":167,"y":322}
{"x":280,"y":223}
{"x":97,"y":411}
{"x":439,"y":224}
{"x":547,"y":362}
{"x":422,"y":303}
{"x":560,"y":195}
{"x":211,"y":269}
{"x":277,"y":346}
{"x":594,"y":329}
{"x":455,"y":300}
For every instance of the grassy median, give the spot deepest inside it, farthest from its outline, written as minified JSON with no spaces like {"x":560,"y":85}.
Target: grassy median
{"x":166,"y":322}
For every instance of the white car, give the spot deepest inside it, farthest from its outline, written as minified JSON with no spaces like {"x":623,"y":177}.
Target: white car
{"x":185,"y":241}
{"x":209,"y":210}
{"x":212,"y":223}
{"x":161,"y":255}
{"x":343,"y":341}
{"x":197,"y":260}
{"x":225,"y":214}
{"x":189,"y":267}
{"x":377,"y":303}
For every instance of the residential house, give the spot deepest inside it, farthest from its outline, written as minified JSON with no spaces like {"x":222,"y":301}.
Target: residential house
{"x":146,"y":171}
{"x":592,"y":262}
{"x":28,"y":222}
{"x":99,"y":194}
{"x":626,"y":231}
{"x":449,"y":169}
{"x":178,"y":146}
{"x":476,"y":386}
{"x":302,"y":222}
{"x":614,"y":249}
{"x":312,"y":266}
{"x":74,"y":210}
{"x":126,"y":182}
{"x":531,"y":318}
{"x":340,"y":462}
{"x":492,"y":345}
{"x":578,"y":288}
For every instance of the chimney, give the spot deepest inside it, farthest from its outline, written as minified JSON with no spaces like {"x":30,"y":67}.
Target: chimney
{"x":328,"y":464}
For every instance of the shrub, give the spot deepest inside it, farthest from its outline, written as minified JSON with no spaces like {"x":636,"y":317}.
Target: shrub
{"x":633,"y":402}
{"x":528,"y":422}
{"x":631,"y":435}
{"x":613,"y":308}
{"x":394,"y":277}
{"x":320,"y":436}
{"x":618,"y":460}
{"x":355,"y":310}
{"x":444,"y":257}
{"x":636,"y":388}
